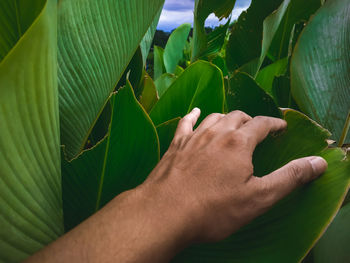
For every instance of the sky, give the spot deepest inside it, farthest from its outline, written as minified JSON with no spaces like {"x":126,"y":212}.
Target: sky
{"x":177,"y":12}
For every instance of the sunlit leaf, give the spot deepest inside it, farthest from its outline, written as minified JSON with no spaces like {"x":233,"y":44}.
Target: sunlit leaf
{"x":159,"y":67}
{"x":173,"y":51}
{"x":30,"y":176}
{"x":149,"y":95}
{"x":164,"y":82}
{"x":96,"y":41}
{"x":146,"y":42}
{"x":200,"y":85}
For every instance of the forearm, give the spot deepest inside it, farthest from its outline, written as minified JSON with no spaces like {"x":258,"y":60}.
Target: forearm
{"x":131,"y":228}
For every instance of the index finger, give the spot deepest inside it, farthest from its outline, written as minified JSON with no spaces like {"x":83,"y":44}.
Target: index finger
{"x":259,"y":127}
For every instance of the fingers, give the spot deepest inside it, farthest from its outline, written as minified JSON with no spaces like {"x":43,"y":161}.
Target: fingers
{"x":283,"y":181}
{"x":233,"y":120}
{"x":186,"y":124}
{"x":259,"y":127}
{"x":209,"y":121}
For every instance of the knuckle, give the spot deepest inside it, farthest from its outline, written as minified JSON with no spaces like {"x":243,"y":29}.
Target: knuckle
{"x":260,"y":118}
{"x":210,"y":132}
{"x":295,"y":172}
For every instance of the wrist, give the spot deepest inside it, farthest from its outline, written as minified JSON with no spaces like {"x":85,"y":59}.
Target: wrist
{"x":167,"y":215}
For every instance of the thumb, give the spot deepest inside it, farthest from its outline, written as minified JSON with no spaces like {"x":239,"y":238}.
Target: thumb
{"x":296,"y":173}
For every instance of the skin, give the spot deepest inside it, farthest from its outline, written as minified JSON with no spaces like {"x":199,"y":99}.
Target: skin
{"x":203,"y":190}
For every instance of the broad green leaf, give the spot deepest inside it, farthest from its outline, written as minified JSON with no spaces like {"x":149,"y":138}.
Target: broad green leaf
{"x":133,"y":72}
{"x":320,"y":67}
{"x":149,"y":95}
{"x":96,"y":41}
{"x":15,"y":18}
{"x":120,"y":162}
{"x":147,"y":40}
{"x":164,"y":82}
{"x":166,"y":132}
{"x":173,"y":51}
{"x":178,"y":70}
{"x":101,"y":127}
{"x":216,"y":40}
{"x":202,"y":9}
{"x":200,"y":85}
{"x":334,"y":245}
{"x":159,"y":67}
{"x":30,"y":176}
{"x":246,"y":35}
{"x":298,"y":10}
{"x":282,"y":94}
{"x":221,"y":64}
{"x":271,"y":24}
{"x":291,"y":227}
{"x":277,"y":31}
{"x":244,"y":94}
{"x":266,"y":76}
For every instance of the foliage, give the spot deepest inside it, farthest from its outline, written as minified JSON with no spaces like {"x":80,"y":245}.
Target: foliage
{"x":115,"y":121}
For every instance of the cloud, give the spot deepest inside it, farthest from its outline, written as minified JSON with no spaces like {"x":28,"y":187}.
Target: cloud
{"x":177,"y":5}
{"x":177,"y":12}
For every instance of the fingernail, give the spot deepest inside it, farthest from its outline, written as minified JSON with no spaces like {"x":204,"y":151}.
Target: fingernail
{"x":196,"y":110}
{"x":319,"y":165}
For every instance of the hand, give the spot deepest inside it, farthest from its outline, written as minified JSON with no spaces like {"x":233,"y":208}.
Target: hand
{"x":207,"y":174}
{"x":203,"y":189}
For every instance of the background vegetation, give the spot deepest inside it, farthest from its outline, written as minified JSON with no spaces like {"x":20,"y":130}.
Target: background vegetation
{"x":83,"y":120}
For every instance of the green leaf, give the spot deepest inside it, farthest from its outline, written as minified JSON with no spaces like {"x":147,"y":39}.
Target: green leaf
{"x":96,"y":41}
{"x":30,"y":176}
{"x":216,"y":40}
{"x":178,"y":70}
{"x":164,"y":82}
{"x":321,"y":65}
{"x":244,"y":94}
{"x":203,"y":8}
{"x":266,"y":76}
{"x":166,"y":132}
{"x":246,"y":35}
{"x":173,"y":51}
{"x":149,"y":95}
{"x":298,"y":10}
{"x":147,"y":40}
{"x":276,"y":33}
{"x":221,"y":64}
{"x":291,"y":227}
{"x":200,"y":85}
{"x":334,"y":245}
{"x":120,"y":162}
{"x":159,"y":67}
{"x":282,"y":94}
{"x":133,"y":72}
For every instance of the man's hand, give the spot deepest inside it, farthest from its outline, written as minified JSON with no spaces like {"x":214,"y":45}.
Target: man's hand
{"x":203,"y":189}
{"x":209,"y":176}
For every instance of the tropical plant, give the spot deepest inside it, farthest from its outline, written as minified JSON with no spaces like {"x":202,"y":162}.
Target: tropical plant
{"x":82,"y":120}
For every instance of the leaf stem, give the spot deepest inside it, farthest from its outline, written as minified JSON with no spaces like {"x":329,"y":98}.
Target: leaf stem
{"x":345,"y":131}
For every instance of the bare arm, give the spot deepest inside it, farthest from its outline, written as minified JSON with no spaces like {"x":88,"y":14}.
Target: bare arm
{"x":203,"y":189}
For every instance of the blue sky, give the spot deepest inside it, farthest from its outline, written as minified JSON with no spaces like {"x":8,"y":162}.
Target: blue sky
{"x":177,"y":12}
